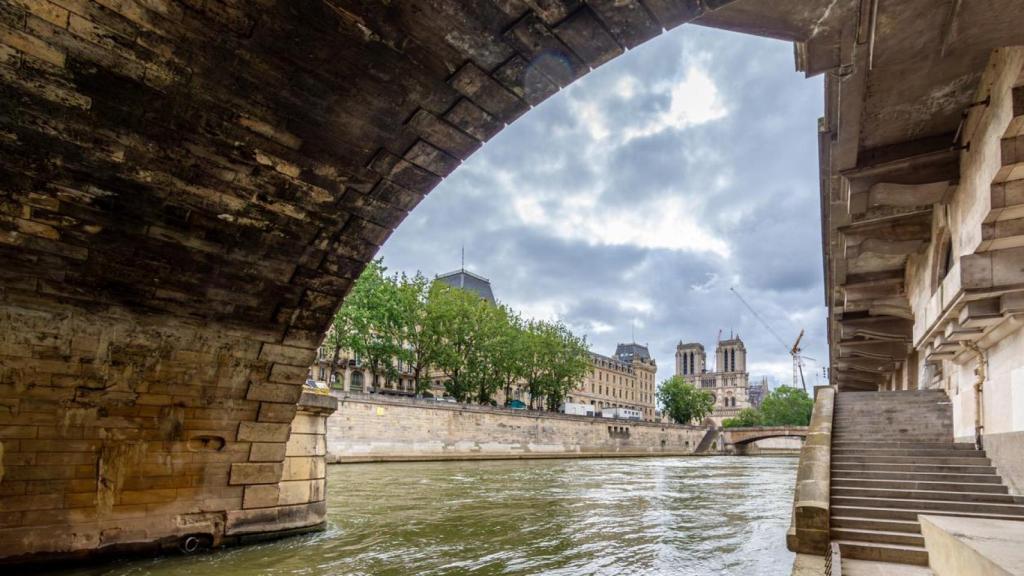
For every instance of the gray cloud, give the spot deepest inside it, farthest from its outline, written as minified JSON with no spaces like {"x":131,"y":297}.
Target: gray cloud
{"x":601,"y":209}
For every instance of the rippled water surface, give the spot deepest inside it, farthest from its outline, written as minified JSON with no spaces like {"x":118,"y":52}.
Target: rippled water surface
{"x":678,"y":516}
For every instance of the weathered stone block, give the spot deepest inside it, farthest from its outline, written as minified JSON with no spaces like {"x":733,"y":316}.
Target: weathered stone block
{"x":255,"y":473}
{"x":307,"y":445}
{"x":291,"y":355}
{"x":267,"y":452}
{"x":272,"y":392}
{"x":276,"y":412}
{"x":287,"y":373}
{"x":263,"y":432}
{"x":261,"y":496}
{"x":294,"y":492}
{"x":305,"y":423}
{"x":304,"y":468}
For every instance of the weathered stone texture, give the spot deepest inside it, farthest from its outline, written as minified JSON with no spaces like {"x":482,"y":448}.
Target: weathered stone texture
{"x":369,"y":429}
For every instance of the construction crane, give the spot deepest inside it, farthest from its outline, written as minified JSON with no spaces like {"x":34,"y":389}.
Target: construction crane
{"x":794,"y":350}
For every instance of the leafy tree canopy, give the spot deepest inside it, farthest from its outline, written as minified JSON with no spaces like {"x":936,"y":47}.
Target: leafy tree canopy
{"x":684,"y":402}
{"x":746,"y":417}
{"x":784,"y":406}
{"x":479,"y":347}
{"x":787,"y":406}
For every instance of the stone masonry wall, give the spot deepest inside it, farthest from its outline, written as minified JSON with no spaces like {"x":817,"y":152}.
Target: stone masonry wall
{"x":119,"y":430}
{"x":374,"y":428}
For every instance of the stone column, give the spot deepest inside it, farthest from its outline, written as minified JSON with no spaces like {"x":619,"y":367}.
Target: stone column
{"x":296,"y":502}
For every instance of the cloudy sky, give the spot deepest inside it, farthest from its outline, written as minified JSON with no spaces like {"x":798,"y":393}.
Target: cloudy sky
{"x":637,"y":196}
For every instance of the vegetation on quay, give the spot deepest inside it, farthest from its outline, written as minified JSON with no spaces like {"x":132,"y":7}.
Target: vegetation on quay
{"x":429,"y":327}
{"x":688,"y":404}
{"x":784,"y":406}
{"x":683,"y":402}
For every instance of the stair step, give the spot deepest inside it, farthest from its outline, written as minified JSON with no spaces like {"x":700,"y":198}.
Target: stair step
{"x":868,"y":473}
{"x":883,"y":513}
{"x":878,"y":552}
{"x":840,"y":481}
{"x":909,"y":526}
{"x":954,"y":460}
{"x":878,"y":536}
{"x":944,"y":506}
{"x":903,"y":445}
{"x":944,"y":495}
{"x":922,"y":452}
{"x":909,"y":467}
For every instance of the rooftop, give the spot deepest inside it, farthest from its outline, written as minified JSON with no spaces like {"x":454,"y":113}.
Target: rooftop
{"x":466,"y":280}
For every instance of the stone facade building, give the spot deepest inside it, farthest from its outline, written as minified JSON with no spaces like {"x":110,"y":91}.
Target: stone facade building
{"x":924,"y":266}
{"x":728,"y":383}
{"x":625,"y":380}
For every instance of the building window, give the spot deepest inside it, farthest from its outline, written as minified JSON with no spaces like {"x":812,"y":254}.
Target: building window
{"x":357,"y":382}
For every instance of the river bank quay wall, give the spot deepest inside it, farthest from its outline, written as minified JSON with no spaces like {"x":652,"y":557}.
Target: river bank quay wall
{"x":374,"y":428}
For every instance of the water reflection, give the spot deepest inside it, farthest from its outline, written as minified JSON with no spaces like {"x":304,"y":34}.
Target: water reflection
{"x":679,"y":516}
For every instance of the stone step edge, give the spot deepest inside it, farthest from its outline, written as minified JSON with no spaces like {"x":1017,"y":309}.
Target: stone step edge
{"x":966,"y":476}
{"x":854,"y":509}
{"x":1013,"y":499}
{"x":835,"y":479}
{"x":908,"y":523}
{"x":907,"y":547}
{"x":937,"y":510}
{"x":866,"y":532}
{"x":918,"y":551}
{"x":840,"y":457}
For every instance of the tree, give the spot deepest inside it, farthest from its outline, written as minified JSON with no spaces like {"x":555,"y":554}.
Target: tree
{"x":422,"y":343}
{"x":746,"y":417}
{"x":507,"y":352}
{"x":567,"y":364}
{"x":535,"y":350}
{"x":683,"y":402}
{"x":451,"y":313}
{"x":787,"y":406}
{"x":369,"y":321}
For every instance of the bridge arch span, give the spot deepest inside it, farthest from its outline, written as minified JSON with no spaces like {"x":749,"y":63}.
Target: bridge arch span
{"x":188,"y":190}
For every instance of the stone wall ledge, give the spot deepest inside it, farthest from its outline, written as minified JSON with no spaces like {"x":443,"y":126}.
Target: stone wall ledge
{"x":386,"y":400}
{"x":809,"y":531}
{"x":317,"y":403}
{"x":456,"y":456}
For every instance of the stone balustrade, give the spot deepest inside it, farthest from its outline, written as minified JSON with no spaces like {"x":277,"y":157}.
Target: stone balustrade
{"x":809,"y":531}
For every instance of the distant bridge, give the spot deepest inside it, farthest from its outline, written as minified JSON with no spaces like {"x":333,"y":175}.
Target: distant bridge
{"x":741,"y":438}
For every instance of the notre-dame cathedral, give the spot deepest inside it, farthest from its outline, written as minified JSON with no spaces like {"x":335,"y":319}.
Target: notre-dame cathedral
{"x":728,"y":382}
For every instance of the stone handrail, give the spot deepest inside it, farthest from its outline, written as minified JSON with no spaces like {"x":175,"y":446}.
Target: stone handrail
{"x":809,"y":530}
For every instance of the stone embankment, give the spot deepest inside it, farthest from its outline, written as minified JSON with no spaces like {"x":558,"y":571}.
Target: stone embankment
{"x":373,"y":428}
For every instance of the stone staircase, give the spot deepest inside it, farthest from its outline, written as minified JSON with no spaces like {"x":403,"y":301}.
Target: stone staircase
{"x":893,"y":457}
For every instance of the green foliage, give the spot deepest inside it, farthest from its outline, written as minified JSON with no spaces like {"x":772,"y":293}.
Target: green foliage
{"x":746,"y":417}
{"x":684,"y":402}
{"x":555,"y":361}
{"x":369,"y":322}
{"x":787,"y":406}
{"x":784,"y":406}
{"x":481,"y":348}
{"x":422,"y":342}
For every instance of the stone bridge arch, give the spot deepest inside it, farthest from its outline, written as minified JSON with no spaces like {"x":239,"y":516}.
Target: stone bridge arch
{"x":187,"y":191}
{"x":740,"y":440}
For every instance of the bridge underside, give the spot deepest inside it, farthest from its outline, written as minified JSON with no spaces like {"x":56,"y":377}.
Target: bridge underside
{"x":188,"y":189}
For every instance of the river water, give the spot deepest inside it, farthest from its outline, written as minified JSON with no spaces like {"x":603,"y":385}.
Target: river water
{"x":672,"y":516}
